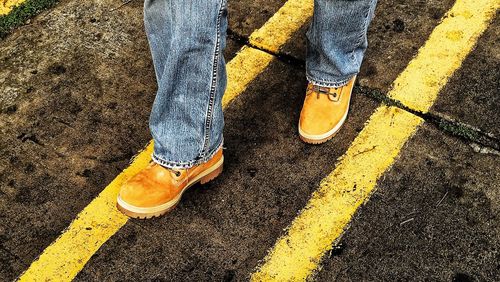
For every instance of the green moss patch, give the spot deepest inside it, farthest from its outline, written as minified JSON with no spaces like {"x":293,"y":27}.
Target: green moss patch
{"x":20,"y":14}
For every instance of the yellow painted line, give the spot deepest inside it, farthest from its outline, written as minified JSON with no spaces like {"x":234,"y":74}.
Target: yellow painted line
{"x":282,"y":25}
{"x":68,"y":254}
{"x":7,"y":5}
{"x":297,"y":254}
{"x":242,"y":70}
{"x":446,"y":48}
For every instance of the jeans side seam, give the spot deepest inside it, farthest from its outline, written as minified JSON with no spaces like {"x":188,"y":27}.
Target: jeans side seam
{"x":366,"y":23}
{"x":213,"y":86}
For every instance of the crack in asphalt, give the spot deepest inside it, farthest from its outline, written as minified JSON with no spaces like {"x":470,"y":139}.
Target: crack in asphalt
{"x":463,"y":131}
{"x":451,"y":127}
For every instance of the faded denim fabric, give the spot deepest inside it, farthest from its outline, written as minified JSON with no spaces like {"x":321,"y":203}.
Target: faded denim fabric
{"x":187,"y":39}
{"x":336,"y":40}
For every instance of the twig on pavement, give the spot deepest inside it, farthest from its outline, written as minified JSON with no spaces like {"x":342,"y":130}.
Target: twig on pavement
{"x":406,"y":221}
{"x":122,"y":4}
{"x":440,"y":201}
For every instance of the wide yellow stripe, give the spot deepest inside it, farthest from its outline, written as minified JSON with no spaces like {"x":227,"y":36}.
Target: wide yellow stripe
{"x":242,"y":69}
{"x":282,"y":25}
{"x":297,"y":254}
{"x":7,"y":5}
{"x":68,"y":254}
{"x":418,"y":86}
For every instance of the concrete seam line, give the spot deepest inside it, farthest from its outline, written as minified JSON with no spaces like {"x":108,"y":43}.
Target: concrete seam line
{"x":297,"y":254}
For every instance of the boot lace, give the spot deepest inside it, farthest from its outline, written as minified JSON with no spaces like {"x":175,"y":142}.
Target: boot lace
{"x":332,"y":93}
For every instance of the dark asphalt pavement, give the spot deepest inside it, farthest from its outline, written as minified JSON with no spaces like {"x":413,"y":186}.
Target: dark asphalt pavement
{"x":76,"y":88}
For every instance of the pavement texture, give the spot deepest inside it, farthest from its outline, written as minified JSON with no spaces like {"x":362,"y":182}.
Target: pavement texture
{"x":397,"y":25}
{"x":434,"y":216}
{"x":76,"y":88}
{"x":471,"y":97}
{"x":223,"y":234}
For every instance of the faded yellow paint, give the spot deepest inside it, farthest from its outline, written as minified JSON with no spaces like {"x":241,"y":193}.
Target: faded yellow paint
{"x":301,"y":249}
{"x":296,"y":255}
{"x":7,"y":5}
{"x":282,"y":25}
{"x":93,"y":226}
{"x":418,"y":86}
{"x":242,"y":69}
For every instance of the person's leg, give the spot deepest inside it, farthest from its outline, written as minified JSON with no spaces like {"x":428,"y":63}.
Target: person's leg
{"x":187,"y":39}
{"x":336,"y":40}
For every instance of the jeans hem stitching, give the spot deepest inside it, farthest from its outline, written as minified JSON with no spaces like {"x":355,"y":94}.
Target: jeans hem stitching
{"x":323,"y":83}
{"x":188,"y":164}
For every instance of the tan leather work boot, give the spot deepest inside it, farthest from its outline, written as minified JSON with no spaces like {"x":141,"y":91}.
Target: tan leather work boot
{"x":156,"y":190}
{"x":324,"y":112}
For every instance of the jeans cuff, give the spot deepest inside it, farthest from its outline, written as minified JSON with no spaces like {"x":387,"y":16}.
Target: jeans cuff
{"x":185,"y":165}
{"x":335,"y":83}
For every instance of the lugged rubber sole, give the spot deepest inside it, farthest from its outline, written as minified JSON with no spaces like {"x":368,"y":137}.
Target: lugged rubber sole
{"x":146,"y":213}
{"x":318,"y":141}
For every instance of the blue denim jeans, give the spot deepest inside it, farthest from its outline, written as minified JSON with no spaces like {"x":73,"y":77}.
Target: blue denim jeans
{"x":187,"y":39}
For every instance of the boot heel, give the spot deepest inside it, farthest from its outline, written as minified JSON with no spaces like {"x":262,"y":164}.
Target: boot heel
{"x":211,"y":176}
